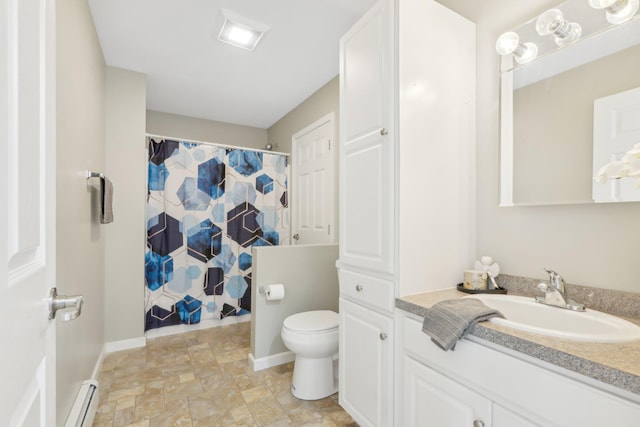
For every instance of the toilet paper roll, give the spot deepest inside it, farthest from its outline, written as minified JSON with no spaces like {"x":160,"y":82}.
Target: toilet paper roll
{"x":275,"y":292}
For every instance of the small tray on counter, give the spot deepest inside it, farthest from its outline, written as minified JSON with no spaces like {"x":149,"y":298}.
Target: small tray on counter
{"x":480,"y":291}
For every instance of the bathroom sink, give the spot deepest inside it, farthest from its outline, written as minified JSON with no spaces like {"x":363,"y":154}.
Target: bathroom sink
{"x":525,"y":314}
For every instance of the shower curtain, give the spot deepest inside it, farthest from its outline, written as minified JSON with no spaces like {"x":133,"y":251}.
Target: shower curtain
{"x":206,"y":207}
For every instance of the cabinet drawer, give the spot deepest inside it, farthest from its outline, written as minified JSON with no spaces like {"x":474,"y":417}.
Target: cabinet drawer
{"x":367,"y":290}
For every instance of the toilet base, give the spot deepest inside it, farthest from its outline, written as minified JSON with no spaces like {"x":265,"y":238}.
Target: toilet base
{"x":314,"y":378}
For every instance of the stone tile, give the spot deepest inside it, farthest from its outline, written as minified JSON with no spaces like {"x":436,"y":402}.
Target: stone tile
{"x":149,"y":405}
{"x":341,"y":418}
{"x":241,"y":413}
{"x":185,"y":378}
{"x":267,"y":411}
{"x":233,"y":356}
{"x":203,"y":405}
{"x":123,"y":393}
{"x":235,"y":368}
{"x":105,"y":412}
{"x":177,"y":419}
{"x":256,"y":393}
{"x":125,"y":403}
{"x":123,"y":417}
{"x":203,"y":369}
{"x":176,"y":369}
{"x":157,"y":386}
{"x":202,"y":378}
{"x":177,"y":391}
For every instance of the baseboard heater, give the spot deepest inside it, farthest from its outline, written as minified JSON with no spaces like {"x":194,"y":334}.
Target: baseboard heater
{"x":85,"y":406}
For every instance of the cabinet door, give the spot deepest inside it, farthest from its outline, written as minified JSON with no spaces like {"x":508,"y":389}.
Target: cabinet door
{"x":431,"y":399}
{"x":367,"y":138}
{"x":505,"y":418}
{"x":366,"y":365}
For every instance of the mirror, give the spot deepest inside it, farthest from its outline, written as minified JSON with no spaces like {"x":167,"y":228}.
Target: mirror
{"x":551,"y":105}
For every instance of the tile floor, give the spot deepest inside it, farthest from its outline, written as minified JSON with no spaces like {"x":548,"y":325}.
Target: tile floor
{"x":202,"y":378}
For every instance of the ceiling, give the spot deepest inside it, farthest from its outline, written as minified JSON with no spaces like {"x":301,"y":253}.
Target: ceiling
{"x":189,"y":72}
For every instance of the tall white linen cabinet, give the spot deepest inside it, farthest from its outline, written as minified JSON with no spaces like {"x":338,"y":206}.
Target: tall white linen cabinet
{"x":407,"y":181}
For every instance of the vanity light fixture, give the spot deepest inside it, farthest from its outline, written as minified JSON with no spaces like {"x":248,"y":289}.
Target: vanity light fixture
{"x":617,"y":11}
{"x":509,"y":43}
{"x":240,"y":31}
{"x":552,"y":22}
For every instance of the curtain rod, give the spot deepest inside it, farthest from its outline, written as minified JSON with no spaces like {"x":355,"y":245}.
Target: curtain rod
{"x":151,"y":135}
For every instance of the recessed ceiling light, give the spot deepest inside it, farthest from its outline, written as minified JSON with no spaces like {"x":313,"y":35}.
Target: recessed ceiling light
{"x":240,"y":31}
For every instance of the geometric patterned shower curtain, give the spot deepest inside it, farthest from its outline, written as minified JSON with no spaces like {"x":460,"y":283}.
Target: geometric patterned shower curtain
{"x":206,"y":207}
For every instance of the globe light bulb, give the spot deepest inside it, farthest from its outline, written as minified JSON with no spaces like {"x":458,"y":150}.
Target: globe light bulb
{"x":552,"y":22}
{"x":509,"y":43}
{"x":617,"y":11}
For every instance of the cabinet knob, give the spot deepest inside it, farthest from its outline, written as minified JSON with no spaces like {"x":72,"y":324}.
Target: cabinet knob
{"x":383,"y":337}
{"x":359,"y":288}
{"x":478,"y":423}
{"x":384,"y":131}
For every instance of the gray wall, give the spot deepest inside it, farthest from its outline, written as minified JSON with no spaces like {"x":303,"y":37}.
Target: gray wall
{"x":80,"y":237}
{"x":593,"y":245}
{"x":324,"y":101}
{"x":125,"y":157}
{"x":310,"y":278}
{"x":165,"y":124}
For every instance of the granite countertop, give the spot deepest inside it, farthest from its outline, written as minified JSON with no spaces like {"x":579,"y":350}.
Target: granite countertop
{"x":614,"y":364}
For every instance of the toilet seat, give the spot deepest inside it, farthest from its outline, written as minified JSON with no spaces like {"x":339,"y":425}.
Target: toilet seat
{"x":312,"y":322}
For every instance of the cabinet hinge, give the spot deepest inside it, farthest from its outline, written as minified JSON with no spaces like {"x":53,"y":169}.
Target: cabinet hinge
{"x":329,"y":145}
{"x":329,"y":229}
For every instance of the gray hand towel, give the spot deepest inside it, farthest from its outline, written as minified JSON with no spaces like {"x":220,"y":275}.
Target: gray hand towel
{"x":450,"y":320}
{"x":106,"y":201}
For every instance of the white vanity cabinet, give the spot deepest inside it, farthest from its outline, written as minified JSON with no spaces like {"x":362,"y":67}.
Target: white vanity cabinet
{"x":430,"y":398}
{"x":366,"y":374}
{"x":479,"y":386}
{"x":407,"y":117}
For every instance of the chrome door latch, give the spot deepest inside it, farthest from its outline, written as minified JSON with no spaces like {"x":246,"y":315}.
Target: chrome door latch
{"x":60,"y":302}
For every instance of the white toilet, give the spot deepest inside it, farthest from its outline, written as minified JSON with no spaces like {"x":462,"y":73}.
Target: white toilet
{"x":313,"y":337}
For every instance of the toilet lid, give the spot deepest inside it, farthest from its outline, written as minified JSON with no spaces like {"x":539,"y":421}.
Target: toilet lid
{"x":312,"y":321}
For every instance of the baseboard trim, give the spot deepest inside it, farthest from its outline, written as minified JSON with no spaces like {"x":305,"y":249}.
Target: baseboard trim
{"x":270,"y":361}
{"x":98,"y":365}
{"x":110,"y":347}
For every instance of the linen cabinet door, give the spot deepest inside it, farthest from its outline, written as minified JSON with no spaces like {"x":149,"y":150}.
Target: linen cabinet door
{"x":366,"y":365}
{"x":367,"y":142}
{"x":431,"y":399}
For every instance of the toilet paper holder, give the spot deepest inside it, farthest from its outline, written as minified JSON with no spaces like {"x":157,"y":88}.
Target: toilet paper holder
{"x":271,"y":291}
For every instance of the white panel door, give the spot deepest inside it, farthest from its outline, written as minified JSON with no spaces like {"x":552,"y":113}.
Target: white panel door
{"x":616,"y":128}
{"x":431,"y":399}
{"x":27,"y":216}
{"x":366,"y":365}
{"x":314,"y":183}
{"x":367,"y":142}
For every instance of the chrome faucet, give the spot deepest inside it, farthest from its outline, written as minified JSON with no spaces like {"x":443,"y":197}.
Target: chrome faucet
{"x":554,"y":293}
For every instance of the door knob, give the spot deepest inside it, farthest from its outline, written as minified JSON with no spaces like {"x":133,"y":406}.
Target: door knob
{"x":383,"y":131}
{"x":383,"y":337}
{"x":359,"y":288}
{"x":296,"y":237}
{"x":60,"y":302}
{"x":478,"y":423}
